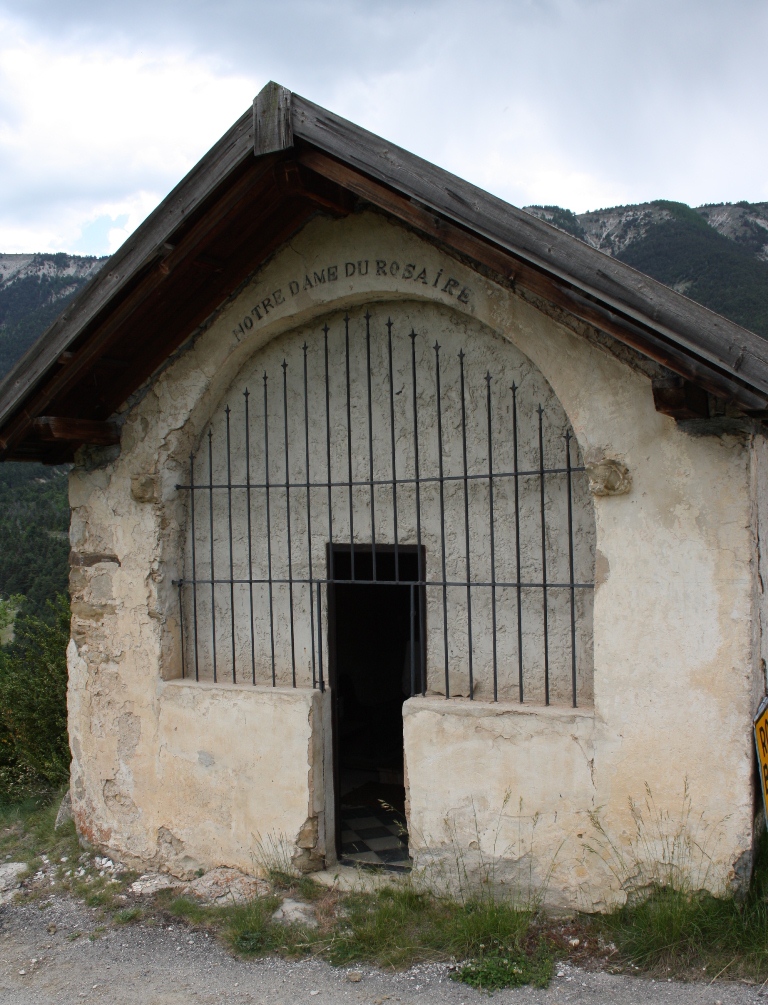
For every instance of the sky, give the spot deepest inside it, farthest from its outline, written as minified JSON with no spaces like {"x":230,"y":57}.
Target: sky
{"x":585,"y":104}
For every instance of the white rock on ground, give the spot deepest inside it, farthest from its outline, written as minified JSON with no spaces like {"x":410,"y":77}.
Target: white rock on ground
{"x":10,"y":879}
{"x":219,"y":886}
{"x":222,"y":886}
{"x":295,"y":912}
{"x":153,"y":882}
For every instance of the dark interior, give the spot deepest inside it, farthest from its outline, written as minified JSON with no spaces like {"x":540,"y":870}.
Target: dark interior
{"x":372,"y":673}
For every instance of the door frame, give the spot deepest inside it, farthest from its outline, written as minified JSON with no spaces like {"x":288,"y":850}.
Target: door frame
{"x":363,"y":549}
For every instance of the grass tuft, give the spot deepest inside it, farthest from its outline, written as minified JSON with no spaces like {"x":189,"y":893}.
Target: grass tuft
{"x":399,"y":926}
{"x":507,"y":967}
{"x":681,"y":932}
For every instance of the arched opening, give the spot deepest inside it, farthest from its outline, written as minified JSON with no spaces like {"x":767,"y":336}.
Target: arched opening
{"x":406,"y":450}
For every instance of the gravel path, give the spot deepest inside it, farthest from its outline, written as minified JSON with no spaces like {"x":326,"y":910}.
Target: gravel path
{"x":60,"y":956}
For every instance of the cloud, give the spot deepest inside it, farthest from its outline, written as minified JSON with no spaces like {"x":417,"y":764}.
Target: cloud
{"x":87,"y":133}
{"x":585,"y":103}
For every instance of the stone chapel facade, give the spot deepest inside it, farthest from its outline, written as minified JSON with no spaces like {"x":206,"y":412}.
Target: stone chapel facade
{"x":394,"y":513}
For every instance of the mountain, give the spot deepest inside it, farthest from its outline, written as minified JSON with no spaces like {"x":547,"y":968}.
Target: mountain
{"x":34,"y":509}
{"x":715,"y":254}
{"x":33,"y":292}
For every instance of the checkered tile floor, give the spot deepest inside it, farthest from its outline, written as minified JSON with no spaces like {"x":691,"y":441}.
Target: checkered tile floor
{"x":374,"y":837}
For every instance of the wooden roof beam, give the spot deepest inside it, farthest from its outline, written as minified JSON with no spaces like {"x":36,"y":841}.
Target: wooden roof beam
{"x":57,"y":428}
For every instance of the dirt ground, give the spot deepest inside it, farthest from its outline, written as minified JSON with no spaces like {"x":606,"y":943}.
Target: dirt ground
{"x":61,"y":954}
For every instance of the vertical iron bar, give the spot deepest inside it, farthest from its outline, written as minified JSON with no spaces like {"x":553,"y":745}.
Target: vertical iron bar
{"x":328,"y":456}
{"x":349,"y":454}
{"x":370,"y":441}
{"x":493,"y":540}
{"x":269,"y":533}
{"x":250,"y":535}
{"x":181,"y":626}
{"x":417,"y":474}
{"x":439,"y":407}
{"x":213,"y":572}
{"x":194,"y":562}
{"x":413,"y":640}
{"x":544,"y":557}
{"x":288,"y":522}
{"x":227,"y":412}
{"x":309,"y":521}
{"x":516,"y":469}
{"x":320,"y":638}
{"x":466,"y":526}
{"x":394,"y":455}
{"x":570,"y":565}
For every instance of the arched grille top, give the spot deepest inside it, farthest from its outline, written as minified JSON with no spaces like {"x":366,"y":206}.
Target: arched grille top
{"x":375,"y":453}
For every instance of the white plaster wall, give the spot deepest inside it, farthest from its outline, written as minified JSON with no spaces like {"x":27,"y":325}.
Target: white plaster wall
{"x":675,"y":605}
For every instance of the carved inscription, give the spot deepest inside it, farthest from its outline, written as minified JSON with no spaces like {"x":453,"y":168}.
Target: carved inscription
{"x":377,"y":268}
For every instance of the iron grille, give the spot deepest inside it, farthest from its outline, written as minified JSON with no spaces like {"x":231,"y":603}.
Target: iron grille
{"x":241,"y":612}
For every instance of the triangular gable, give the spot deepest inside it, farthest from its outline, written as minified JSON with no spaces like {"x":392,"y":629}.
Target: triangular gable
{"x":275,"y":168}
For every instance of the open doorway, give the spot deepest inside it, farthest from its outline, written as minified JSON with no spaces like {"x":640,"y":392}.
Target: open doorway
{"x":374,"y":668}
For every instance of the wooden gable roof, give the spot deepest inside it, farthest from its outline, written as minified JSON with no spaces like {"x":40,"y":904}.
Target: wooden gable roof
{"x":277,"y":166}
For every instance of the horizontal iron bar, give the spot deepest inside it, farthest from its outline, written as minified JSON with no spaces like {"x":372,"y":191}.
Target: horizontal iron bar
{"x":387,"y":482}
{"x":383,"y":582}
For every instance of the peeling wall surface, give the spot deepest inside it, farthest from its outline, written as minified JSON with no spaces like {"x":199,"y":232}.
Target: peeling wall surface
{"x":186,"y":774}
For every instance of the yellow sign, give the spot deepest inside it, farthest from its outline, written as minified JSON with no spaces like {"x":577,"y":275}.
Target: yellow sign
{"x":761,"y":742}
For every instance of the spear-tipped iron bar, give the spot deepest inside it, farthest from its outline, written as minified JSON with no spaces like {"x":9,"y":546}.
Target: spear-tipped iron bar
{"x":227,"y":412}
{"x":370,"y":441}
{"x":517,"y":545}
{"x":349,"y":450}
{"x":570,"y":569}
{"x":309,"y":521}
{"x":288,"y":522}
{"x":194,"y":565}
{"x":250,"y":535}
{"x":466,"y":527}
{"x":394,"y":480}
{"x":419,"y":556}
{"x":492,"y":538}
{"x":441,"y":483}
{"x":270,"y":587}
{"x":213,"y":571}
{"x":545,"y":609}
{"x":328,"y":452}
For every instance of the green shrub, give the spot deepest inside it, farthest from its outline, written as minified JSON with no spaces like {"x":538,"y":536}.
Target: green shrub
{"x":34,"y":747}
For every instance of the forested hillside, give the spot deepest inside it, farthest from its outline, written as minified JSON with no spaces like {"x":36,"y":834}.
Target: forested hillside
{"x":33,"y":291}
{"x":717,"y":255}
{"x":34,"y":511}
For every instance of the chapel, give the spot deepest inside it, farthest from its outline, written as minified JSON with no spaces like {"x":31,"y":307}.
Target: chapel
{"x":407,"y":532}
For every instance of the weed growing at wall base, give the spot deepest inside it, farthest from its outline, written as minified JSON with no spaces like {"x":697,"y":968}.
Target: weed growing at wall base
{"x":670,"y":924}
{"x":680,"y":932}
